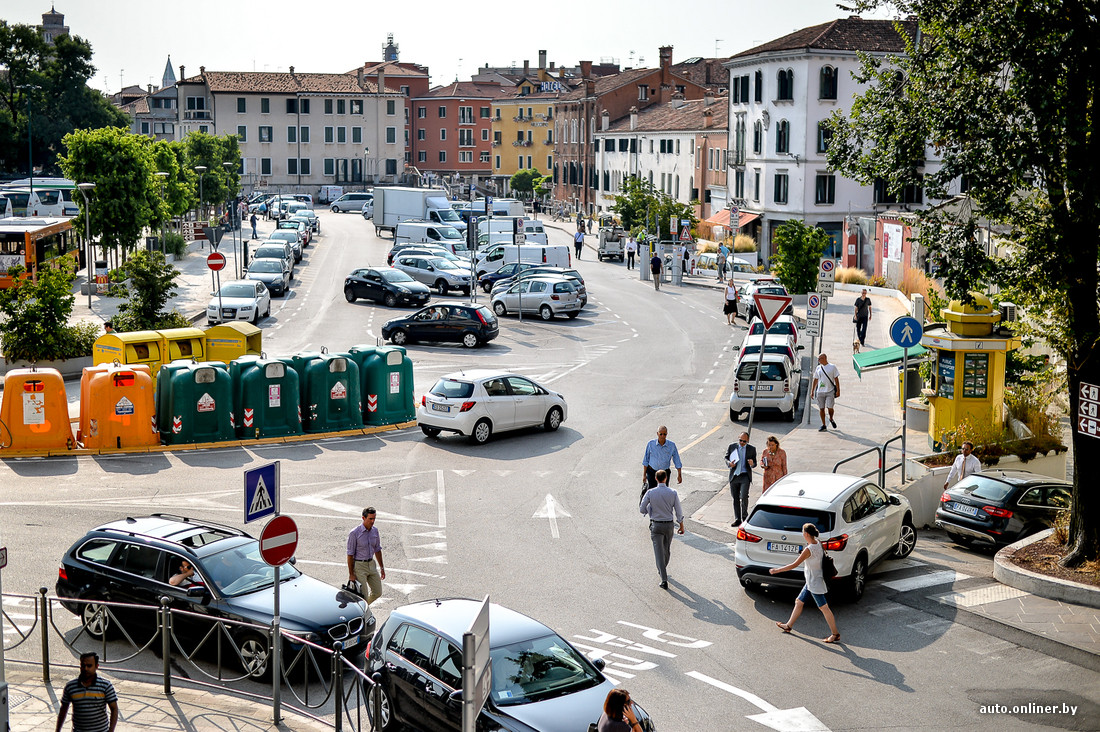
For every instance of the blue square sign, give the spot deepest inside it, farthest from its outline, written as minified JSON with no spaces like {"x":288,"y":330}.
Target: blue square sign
{"x":261,"y":492}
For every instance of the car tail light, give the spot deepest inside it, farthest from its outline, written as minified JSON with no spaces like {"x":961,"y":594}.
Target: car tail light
{"x":786,"y":386}
{"x":736,"y":385}
{"x":424,"y":400}
{"x":467,"y":406}
{"x":554,"y":297}
{"x":997,"y":512}
{"x":945,"y":498}
{"x":480,"y":316}
{"x":836,"y":544}
{"x":743,"y":535}
{"x":62,"y":574}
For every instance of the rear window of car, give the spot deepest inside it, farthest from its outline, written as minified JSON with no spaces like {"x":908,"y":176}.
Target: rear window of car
{"x":270,"y":252}
{"x":769,"y":372}
{"x":564,"y":287}
{"x":986,"y":489}
{"x":487,"y":315}
{"x":790,"y":518}
{"x":780,"y":350}
{"x":453,"y":389}
{"x":771,"y":291}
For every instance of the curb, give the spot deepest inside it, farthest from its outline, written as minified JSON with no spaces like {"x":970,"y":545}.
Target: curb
{"x":1009,"y":573}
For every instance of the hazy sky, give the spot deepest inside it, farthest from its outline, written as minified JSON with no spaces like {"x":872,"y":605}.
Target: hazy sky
{"x":132,"y":39}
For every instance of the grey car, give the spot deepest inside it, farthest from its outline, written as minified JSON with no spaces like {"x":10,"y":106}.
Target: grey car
{"x":437,"y":272}
{"x":272,"y":272}
{"x":547,"y":296}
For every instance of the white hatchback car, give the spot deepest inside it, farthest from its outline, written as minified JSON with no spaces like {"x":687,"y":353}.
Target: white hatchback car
{"x":859,"y":523}
{"x":239,"y":300}
{"x":779,"y":384}
{"x":479,"y":402}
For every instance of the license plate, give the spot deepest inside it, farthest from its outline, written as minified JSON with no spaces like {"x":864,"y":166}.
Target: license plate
{"x":968,"y":510}
{"x":352,"y":641}
{"x":774,"y":546}
{"x":441,"y":408}
{"x":228,"y":313}
{"x":766,"y":387}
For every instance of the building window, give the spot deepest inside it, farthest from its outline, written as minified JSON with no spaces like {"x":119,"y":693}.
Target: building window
{"x":739,"y":184}
{"x":910,"y":194}
{"x":292,"y":166}
{"x":442,"y":112}
{"x":485,"y":135}
{"x":265,"y":134}
{"x":292,"y":134}
{"x":341,"y":134}
{"x":292,"y":106}
{"x":484,"y":157}
{"x":242,"y":105}
{"x":242,"y":133}
{"x":265,"y":105}
{"x":828,"y":83}
{"x":340,"y":106}
{"x":330,"y":167}
{"x":549,"y":162}
{"x":497,"y":163}
{"x":328,"y":109}
{"x":643,"y":92}
{"x":757,"y":136}
{"x":303,"y":106}
{"x":485,"y":112}
{"x":391,"y":107}
{"x":498,"y":113}
{"x":785,"y":91}
{"x":391,"y":135}
{"x":758,"y":92}
{"x":406,"y":134}
{"x":442,"y":133}
{"x":356,"y":106}
{"x":756,"y":185}
{"x":329,"y":132}
{"x":780,"y":187}
{"x":466,"y":138}
{"x":304,"y":166}
{"x":782,"y":136}
{"x":825,"y":190}
{"x":145,"y":128}
{"x":465,"y":115}
{"x":421,"y":112}
{"x":422,"y":156}
{"x":356,"y":135}
{"x":265,"y":166}
{"x":465,"y":156}
{"x":422,"y":134}
{"x":824,"y":135}
{"x":391,"y":166}
{"x":442,"y":156}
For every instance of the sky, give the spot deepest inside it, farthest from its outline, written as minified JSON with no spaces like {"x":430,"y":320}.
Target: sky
{"x":131,"y":39}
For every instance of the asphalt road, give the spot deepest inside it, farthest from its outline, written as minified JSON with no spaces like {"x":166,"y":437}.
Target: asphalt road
{"x":546,"y":523}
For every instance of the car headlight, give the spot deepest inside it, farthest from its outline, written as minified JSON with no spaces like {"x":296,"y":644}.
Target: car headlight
{"x":246,"y":308}
{"x":211,"y":308}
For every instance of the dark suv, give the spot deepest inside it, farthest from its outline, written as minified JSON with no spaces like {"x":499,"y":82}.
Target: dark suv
{"x":470,"y":325}
{"x":132,"y":561}
{"x":539,"y":680}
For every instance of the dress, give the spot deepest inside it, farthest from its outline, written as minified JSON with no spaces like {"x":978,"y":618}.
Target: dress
{"x":775,"y":467}
{"x":731,"y":300}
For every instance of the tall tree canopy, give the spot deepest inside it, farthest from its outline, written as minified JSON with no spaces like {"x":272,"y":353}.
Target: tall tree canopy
{"x":1002,"y":97}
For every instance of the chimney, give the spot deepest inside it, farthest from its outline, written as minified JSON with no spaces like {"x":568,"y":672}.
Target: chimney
{"x":586,"y":69}
{"x":552,"y":64}
{"x":542,"y":60}
{"x":707,"y":121}
{"x":526,"y":67}
{"x":361,"y":76}
{"x":381,"y":80}
{"x":292,"y":71}
{"x":666,"y":67}
{"x":677,"y":100}
{"x":150,"y":87}
{"x":605,"y":119}
{"x":182,"y":75}
{"x":633,"y":118}
{"x":202,"y":71}
{"x":708,"y":98}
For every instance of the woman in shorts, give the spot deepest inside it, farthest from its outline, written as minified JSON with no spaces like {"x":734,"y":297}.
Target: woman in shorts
{"x":815,"y":583}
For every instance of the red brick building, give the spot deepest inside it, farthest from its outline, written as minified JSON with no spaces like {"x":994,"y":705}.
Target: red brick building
{"x":453,"y":127}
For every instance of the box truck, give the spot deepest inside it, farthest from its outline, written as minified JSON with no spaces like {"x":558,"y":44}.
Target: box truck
{"x":394,"y":205}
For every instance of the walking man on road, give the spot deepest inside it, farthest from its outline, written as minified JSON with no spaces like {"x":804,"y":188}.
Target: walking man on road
{"x":578,"y":243}
{"x":365,"y":556}
{"x":255,"y":235}
{"x":661,"y":454}
{"x":91,"y":697}
{"x":740,"y":459}
{"x":862,"y":317}
{"x":655,"y":267}
{"x":631,"y":249}
{"x":662,"y":505}
{"x":965,"y":464}
{"x":826,"y":388}
{"x":723,"y":252}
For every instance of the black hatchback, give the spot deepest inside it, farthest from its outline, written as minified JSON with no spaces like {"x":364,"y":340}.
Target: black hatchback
{"x":387,"y":285}
{"x":1001,"y":506}
{"x":539,"y":681}
{"x":457,"y":322}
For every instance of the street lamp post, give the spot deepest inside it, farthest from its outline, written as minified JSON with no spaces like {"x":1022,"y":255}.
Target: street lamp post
{"x":84,"y":188}
{"x":366,"y":161}
{"x":27,"y":88}
{"x":233,"y":213}
{"x":163,"y":176}
{"x":201,"y":170}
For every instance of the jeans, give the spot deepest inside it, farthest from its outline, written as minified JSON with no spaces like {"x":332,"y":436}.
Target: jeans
{"x":630,"y":260}
{"x":861,"y":330}
{"x":660,"y":532}
{"x":739,"y":490}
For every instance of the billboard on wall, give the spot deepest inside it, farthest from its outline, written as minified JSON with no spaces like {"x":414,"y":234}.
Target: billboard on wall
{"x":891,"y":242}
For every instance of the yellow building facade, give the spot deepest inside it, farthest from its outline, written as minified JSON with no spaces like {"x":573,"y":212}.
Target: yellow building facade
{"x":523,"y":129}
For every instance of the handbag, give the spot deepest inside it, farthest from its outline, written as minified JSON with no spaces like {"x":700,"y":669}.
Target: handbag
{"x":353,"y":587}
{"x":828,"y":566}
{"x":645,"y":489}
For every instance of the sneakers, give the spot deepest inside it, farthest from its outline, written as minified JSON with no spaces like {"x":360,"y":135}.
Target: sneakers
{"x":822,"y":428}
{"x":832,"y":422}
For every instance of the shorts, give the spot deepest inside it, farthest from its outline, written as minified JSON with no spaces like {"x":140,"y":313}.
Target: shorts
{"x":825,"y":400}
{"x":805,"y":596}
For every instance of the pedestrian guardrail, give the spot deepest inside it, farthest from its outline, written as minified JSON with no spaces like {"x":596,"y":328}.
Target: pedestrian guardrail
{"x":883,"y":468}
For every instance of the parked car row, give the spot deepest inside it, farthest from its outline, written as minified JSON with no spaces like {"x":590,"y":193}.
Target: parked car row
{"x":779,"y":384}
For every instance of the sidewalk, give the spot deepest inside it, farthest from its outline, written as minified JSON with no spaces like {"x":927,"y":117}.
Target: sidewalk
{"x":33,"y":705}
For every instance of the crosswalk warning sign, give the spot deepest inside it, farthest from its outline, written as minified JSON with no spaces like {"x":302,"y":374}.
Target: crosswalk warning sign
{"x":261,"y":492}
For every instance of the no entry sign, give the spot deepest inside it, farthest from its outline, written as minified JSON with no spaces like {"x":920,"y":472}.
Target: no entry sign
{"x":215,"y":261}
{"x":279,"y":540}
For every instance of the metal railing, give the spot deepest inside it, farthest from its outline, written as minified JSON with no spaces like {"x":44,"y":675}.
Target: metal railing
{"x":883,"y":468}
{"x":225,"y":654}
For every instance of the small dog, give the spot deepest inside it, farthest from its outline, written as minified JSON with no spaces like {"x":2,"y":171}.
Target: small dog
{"x":855,"y":341}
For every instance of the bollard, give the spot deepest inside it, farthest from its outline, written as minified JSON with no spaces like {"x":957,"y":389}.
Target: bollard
{"x":166,"y":643}
{"x":45,"y":635}
{"x":338,"y":685}
{"x":376,"y":700}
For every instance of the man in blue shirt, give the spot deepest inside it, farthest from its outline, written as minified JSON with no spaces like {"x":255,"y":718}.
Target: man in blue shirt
{"x":91,"y":697}
{"x":662,"y":505}
{"x":365,"y":556}
{"x":723,"y":252}
{"x":661,"y":454}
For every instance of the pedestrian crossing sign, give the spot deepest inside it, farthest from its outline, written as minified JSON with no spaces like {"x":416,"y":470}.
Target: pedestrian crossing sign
{"x":261,"y":492}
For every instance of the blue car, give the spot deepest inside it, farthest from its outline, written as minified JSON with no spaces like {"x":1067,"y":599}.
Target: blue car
{"x":487,"y":280}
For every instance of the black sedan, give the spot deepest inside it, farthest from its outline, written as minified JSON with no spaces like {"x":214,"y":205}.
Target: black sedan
{"x":1001,"y":506}
{"x":210,"y":571}
{"x":487,"y":280}
{"x":458,"y":322}
{"x":385,"y":284}
{"x":272,"y":272}
{"x":539,"y":680}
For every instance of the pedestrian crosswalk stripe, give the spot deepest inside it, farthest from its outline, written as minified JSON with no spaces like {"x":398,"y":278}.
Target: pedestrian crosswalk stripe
{"x":942,"y":577}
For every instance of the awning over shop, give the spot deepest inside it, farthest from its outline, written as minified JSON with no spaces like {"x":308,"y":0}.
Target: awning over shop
{"x":881,"y":358}
{"x":722,"y":218}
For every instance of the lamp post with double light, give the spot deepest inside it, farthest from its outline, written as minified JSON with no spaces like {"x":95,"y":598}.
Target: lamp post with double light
{"x":201,"y":170}
{"x":163,"y":177}
{"x":27,"y":89}
{"x":84,"y":188}
{"x":233,"y":214}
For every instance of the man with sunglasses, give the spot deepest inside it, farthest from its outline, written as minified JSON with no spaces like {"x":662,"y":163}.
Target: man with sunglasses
{"x":740,"y":459}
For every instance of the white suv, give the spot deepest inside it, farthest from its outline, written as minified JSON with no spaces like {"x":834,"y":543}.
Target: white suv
{"x":859,"y":524}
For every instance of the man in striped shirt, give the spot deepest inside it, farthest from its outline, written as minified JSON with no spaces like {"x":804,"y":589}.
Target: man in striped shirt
{"x":90,"y":697}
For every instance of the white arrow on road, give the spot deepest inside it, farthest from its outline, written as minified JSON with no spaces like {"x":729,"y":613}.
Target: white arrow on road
{"x":784,"y":720}
{"x":551,"y":511}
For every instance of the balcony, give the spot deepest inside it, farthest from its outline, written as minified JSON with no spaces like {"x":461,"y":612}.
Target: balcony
{"x":521,"y":143}
{"x":196,"y":114}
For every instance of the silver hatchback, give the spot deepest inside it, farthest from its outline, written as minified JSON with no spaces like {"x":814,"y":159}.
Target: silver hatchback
{"x":437,"y":272}
{"x":547,"y":296}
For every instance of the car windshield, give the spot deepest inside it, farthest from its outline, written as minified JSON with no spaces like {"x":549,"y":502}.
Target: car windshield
{"x":241,"y":570}
{"x":265,"y":265}
{"x":770,"y":291}
{"x":986,"y":489}
{"x":395,"y":275}
{"x":451,"y":233}
{"x":448,"y":214}
{"x":452,"y":389}
{"x":285,"y":235}
{"x":441,"y":263}
{"x":247,"y":291}
{"x":790,"y":518}
{"x":778,"y":328}
{"x":537,"y":669}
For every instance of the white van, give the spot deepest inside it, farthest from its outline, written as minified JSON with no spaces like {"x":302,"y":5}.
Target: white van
{"x":498,"y":255}
{"x":50,"y":202}
{"x":424,"y":232}
{"x":533,"y":231}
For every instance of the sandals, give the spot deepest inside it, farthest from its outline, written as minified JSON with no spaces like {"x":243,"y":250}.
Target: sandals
{"x":784,"y":627}
{"x":834,"y":638}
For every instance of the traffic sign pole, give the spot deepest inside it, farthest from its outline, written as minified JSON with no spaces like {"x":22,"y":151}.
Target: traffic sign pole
{"x":756,"y":386}
{"x":906,"y":332}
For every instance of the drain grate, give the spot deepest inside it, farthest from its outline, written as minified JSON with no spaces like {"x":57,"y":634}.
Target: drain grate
{"x":16,"y":698}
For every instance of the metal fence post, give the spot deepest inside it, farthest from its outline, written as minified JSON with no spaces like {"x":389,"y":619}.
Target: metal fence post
{"x":166,"y":643}
{"x":338,"y":685}
{"x":43,"y":619}
{"x":274,"y":660}
{"x":376,"y":700}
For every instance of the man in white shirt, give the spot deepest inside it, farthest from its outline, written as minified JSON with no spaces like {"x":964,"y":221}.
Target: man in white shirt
{"x":631,"y":250}
{"x":965,"y":464}
{"x":826,"y":388}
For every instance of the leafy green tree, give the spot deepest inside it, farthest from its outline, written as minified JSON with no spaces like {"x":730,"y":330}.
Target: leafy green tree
{"x":36,"y":313}
{"x":798,"y":251}
{"x":219,"y":183}
{"x":173,"y":195}
{"x":1005,"y":95}
{"x":524,"y":181}
{"x":152,"y":282}
{"x":641,"y":204}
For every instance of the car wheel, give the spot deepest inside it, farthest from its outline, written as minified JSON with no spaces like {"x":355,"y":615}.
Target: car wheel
{"x":789,"y":416}
{"x":499,"y":309}
{"x":255,"y":656}
{"x":399,"y":337}
{"x":349,"y":295}
{"x":857,"y":581}
{"x":96,"y":620}
{"x":335,"y":209}
{"x":907,"y":541}
{"x":553,"y":419}
{"x":470,"y":340}
{"x":572,"y":315}
{"x":546,"y":313}
{"x":391,"y":301}
{"x":441,"y":285}
{"x":386,"y":723}
{"x":430,"y":431}
{"x":599,"y":257}
{"x":488,"y":287}
{"x":733,"y":415}
{"x":482,"y":432}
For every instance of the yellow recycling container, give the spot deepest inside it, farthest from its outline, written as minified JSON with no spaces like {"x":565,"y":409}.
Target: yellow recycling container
{"x":139,"y":347}
{"x":230,"y":341}
{"x":183,"y":344}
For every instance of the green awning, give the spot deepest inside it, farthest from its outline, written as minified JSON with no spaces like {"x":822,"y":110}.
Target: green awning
{"x":881,"y":358}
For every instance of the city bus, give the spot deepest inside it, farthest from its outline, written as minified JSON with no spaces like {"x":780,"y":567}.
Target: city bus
{"x":52,"y":197}
{"x":35,"y":244}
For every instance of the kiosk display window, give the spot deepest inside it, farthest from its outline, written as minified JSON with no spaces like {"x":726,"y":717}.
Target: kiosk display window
{"x":946,"y":369}
{"x":975,"y":375}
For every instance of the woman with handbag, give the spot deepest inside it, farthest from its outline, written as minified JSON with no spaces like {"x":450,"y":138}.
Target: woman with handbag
{"x":774,"y":462}
{"x":729,"y":302}
{"x":812,"y":555}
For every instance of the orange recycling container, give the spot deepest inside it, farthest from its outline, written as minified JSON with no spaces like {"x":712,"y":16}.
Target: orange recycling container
{"x":35,"y":413}
{"x":117,"y":407}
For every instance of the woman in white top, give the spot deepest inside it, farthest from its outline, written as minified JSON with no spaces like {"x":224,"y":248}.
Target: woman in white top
{"x":815,"y":583}
{"x":729,"y":305}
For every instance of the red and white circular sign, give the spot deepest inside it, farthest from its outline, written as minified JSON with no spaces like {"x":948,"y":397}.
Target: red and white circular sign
{"x":279,"y":540}
{"x":215,"y":261}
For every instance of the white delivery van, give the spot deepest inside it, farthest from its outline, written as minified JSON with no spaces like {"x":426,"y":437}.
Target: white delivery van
{"x":497,"y":255}
{"x":533,"y":230}
{"x":392,"y":205}
{"x":424,"y":232}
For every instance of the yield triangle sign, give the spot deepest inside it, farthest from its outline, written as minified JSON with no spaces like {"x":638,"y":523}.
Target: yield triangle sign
{"x":770,"y":307}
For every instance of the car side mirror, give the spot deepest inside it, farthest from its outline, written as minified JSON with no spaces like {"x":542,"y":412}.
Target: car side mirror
{"x":455,"y":697}
{"x":599,"y":663}
{"x":196,"y":591}
{"x":431,"y":268}
{"x":894,"y":500}
{"x":800,"y":348}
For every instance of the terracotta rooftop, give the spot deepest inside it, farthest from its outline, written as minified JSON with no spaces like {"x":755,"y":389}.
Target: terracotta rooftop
{"x":221,"y":82}
{"x":138,"y":106}
{"x":469,"y":89}
{"x":605,"y":84}
{"x":392,"y":68}
{"x":845,"y":34}
{"x":686,"y":118}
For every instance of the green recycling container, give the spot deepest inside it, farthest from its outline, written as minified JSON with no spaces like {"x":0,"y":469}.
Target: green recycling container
{"x":388,"y":387}
{"x":195,"y":403}
{"x":266,"y":398}
{"x":330,"y":394}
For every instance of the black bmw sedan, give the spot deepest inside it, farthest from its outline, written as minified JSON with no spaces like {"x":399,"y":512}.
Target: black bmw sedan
{"x":1001,"y":506}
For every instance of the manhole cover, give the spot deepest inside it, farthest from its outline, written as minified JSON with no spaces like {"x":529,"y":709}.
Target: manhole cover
{"x":16,"y":698}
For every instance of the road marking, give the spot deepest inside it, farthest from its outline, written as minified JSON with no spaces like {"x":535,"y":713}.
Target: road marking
{"x":979,"y":596}
{"x":747,"y":696}
{"x":943,"y":577}
{"x":696,"y":442}
{"x":789,"y":720}
{"x":718,"y":396}
{"x":551,"y":510}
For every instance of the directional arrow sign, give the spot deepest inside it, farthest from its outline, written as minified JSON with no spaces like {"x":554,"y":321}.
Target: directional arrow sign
{"x":770,"y":307}
{"x":906,"y":331}
{"x":551,"y":510}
